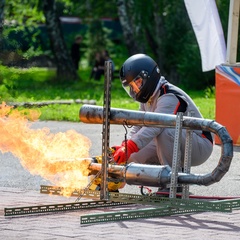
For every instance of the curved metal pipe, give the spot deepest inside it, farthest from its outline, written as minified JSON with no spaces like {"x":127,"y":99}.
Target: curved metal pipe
{"x":94,"y":114}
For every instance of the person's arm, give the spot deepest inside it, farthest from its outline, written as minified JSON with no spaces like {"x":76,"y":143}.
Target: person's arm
{"x":145,"y":135}
{"x":135,"y":129}
{"x":166,"y":104}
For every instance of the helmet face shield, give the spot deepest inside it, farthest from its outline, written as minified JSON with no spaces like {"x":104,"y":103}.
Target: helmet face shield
{"x":135,"y":86}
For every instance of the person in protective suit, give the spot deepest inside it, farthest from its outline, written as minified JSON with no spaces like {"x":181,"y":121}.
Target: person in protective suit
{"x":142,"y":80}
{"x":75,"y":51}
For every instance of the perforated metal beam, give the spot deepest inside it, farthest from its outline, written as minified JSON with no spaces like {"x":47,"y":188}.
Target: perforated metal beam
{"x":148,"y":212}
{"x":58,"y":207}
{"x":73,"y":191}
{"x":133,"y":214}
{"x":216,"y":206}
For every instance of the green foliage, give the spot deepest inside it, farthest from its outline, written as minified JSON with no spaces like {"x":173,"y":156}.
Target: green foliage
{"x":189,"y":69}
{"x":210,"y":92}
{"x":96,"y":40}
{"x":37,"y":84}
{"x":16,"y":83}
{"x":205,"y":104}
{"x":23,"y":13}
{"x":162,"y":29}
{"x":21,"y":31}
{"x":92,"y":8}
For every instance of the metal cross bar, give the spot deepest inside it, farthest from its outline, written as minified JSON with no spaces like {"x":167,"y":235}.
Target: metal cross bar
{"x":58,"y":207}
{"x":234,"y":203}
{"x":133,"y":214}
{"x":73,"y":191}
{"x":215,"y":206}
{"x":148,"y":212}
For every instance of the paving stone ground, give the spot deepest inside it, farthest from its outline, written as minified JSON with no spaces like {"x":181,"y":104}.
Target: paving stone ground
{"x":19,"y":188}
{"x":66,"y":225}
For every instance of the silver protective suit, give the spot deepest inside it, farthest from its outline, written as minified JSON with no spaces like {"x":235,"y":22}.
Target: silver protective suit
{"x":156,"y":144}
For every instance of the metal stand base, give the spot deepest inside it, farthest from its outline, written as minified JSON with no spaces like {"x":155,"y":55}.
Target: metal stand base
{"x":160,"y":206}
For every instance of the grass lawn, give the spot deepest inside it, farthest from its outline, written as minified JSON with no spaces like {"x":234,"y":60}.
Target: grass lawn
{"x":35,"y":84}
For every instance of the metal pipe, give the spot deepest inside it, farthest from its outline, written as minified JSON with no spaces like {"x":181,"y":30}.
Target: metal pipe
{"x":94,"y":114}
{"x":137,"y":174}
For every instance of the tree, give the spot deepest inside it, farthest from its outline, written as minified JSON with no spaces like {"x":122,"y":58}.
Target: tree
{"x":160,"y":29}
{"x":65,"y":66}
{"x":97,"y":39}
{"x":2,"y":4}
{"x":129,"y":25}
{"x":26,"y":16}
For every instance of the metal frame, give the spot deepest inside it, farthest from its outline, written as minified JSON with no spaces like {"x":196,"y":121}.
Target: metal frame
{"x":176,"y":155}
{"x":166,"y":206}
{"x":60,"y":207}
{"x":187,"y":158}
{"x":92,"y":114}
{"x":106,"y":130}
{"x":233,"y":26}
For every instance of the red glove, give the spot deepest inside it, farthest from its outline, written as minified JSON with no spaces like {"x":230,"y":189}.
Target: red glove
{"x":115,"y":148}
{"x":120,"y":154}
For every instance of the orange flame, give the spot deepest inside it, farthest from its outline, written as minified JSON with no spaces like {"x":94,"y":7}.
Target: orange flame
{"x":55,"y":157}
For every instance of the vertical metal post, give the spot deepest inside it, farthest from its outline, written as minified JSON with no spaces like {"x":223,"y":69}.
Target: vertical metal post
{"x":187,"y":158}
{"x":233,"y":25}
{"x":104,"y":194}
{"x":176,"y":155}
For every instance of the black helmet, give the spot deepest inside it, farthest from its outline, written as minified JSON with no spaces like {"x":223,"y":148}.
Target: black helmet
{"x":140,"y":67}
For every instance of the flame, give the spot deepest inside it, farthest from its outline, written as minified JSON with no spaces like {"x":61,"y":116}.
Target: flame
{"x":62,"y":158}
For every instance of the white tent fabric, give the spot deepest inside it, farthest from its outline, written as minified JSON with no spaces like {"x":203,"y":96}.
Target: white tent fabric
{"x":208,"y":30}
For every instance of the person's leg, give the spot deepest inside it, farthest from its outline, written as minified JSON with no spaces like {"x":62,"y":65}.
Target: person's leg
{"x":97,"y":75}
{"x":201,"y":147}
{"x":146,"y":155}
{"x":76,"y":63}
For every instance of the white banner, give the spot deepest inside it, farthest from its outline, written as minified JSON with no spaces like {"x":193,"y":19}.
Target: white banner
{"x":208,"y":30}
